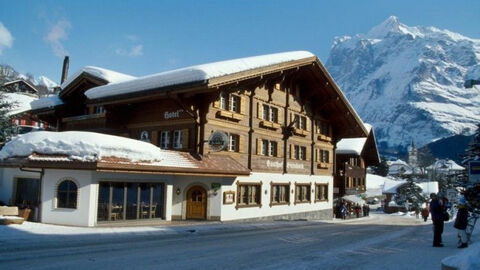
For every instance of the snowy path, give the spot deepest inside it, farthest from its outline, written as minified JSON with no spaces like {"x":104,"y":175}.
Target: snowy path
{"x":379,"y":242}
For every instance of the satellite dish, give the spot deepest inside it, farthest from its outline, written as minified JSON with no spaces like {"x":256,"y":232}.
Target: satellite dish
{"x":218,"y":141}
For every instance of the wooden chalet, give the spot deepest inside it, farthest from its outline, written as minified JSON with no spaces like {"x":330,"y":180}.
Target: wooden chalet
{"x":353,"y":156}
{"x":281,"y":116}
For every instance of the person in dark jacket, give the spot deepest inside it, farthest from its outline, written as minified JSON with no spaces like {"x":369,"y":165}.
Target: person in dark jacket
{"x":436,"y":212}
{"x":461,"y":223}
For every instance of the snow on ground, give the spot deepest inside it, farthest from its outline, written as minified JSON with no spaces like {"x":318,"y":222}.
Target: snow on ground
{"x":399,"y":249}
{"x":90,"y":146}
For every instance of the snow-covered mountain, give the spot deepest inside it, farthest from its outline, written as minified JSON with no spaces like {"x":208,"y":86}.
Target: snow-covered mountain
{"x":408,"y":82}
{"x":44,"y":81}
{"x":8,"y":73}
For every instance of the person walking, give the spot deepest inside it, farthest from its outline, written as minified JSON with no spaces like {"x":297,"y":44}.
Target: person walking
{"x":461,"y":223}
{"x":425,"y":214}
{"x":436,"y":211}
{"x":343,"y":211}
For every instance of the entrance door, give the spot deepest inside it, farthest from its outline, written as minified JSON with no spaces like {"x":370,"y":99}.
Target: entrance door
{"x":27,"y":195}
{"x":196,"y":203}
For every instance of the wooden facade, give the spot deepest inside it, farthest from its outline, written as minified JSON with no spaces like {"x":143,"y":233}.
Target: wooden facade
{"x":284,"y":118}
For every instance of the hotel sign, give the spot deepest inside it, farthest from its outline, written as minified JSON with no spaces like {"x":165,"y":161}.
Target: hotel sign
{"x":474,"y":171}
{"x":218,"y":141}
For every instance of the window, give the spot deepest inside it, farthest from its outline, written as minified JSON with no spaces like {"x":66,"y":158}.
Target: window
{"x":269,"y":148}
{"x":165,"y":139}
{"x":234,"y":103}
{"x":223,"y":101}
{"x":233,"y":145}
{"x":300,"y":152}
{"x":324,"y":156}
{"x":321,"y":192}
{"x":270,"y":113}
{"x":99,"y":109}
{"x":302,"y":193}
{"x":300,"y":122}
{"x":249,"y":194}
{"x":323,"y":128}
{"x":67,"y":194}
{"x":177,"y":139}
{"x":229,"y":102}
{"x":280,"y":193}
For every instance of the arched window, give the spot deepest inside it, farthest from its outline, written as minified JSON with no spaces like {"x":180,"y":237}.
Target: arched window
{"x":67,"y":194}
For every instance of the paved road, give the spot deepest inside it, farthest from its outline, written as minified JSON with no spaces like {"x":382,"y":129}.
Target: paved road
{"x":379,"y":242}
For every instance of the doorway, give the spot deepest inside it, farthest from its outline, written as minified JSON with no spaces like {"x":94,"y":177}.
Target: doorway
{"x":27,"y":195}
{"x":196,"y":203}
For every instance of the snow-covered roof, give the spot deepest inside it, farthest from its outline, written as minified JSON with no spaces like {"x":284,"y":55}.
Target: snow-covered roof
{"x":90,"y":146}
{"x":46,"y":102}
{"x":427,"y":187}
{"x":21,"y":80}
{"x":20,"y":102}
{"x":351,"y":146}
{"x":105,"y":74}
{"x":445,"y":164}
{"x":199,"y":73}
{"x":354,"y":199}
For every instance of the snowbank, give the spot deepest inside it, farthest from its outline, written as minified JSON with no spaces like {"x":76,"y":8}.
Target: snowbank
{"x":194,"y":74}
{"x":90,"y":146}
{"x":468,"y":259}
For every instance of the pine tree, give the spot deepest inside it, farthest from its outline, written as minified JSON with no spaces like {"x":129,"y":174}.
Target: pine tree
{"x":411,"y":193}
{"x":381,"y":169}
{"x":473,"y":150}
{"x":6,"y":127}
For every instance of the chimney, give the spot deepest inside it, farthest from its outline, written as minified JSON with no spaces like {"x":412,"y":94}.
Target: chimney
{"x":66,"y":61}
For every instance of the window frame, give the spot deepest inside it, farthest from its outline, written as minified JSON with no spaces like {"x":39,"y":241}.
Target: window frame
{"x":273,"y":193}
{"x":70,"y":203}
{"x":308,"y":193}
{"x":177,"y":139}
{"x":318,"y":187}
{"x":164,"y":141}
{"x":249,"y":188}
{"x":233,"y":140}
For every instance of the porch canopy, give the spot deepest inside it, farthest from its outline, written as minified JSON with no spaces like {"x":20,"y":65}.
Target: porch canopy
{"x":354,"y":199}
{"x":101,"y":152}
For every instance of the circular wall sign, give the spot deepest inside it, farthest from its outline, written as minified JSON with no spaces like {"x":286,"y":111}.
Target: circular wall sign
{"x":218,"y":141}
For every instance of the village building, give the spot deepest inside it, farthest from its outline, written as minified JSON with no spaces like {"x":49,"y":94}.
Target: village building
{"x":250,"y":138}
{"x":353,"y":156}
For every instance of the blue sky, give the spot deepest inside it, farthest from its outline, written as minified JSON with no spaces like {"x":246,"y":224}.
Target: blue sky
{"x":146,"y":37}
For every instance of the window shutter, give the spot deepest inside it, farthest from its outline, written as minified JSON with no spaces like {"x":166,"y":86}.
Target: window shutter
{"x":216,"y":103}
{"x":279,"y":153}
{"x":259,"y":110}
{"x":280,"y":115}
{"x":291,"y":151}
{"x":243,"y":104}
{"x":259,"y":146}
{"x":185,"y":138}
{"x":308,"y":151}
{"x":155,"y":137}
{"x":241,"y":144}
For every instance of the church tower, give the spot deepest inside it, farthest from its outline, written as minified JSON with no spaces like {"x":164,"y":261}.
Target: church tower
{"x":413,"y":155}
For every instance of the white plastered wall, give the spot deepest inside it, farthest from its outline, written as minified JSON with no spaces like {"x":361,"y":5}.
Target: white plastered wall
{"x":230,"y":212}
{"x":7,"y":182}
{"x":81,"y":216}
{"x":214,"y":199}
